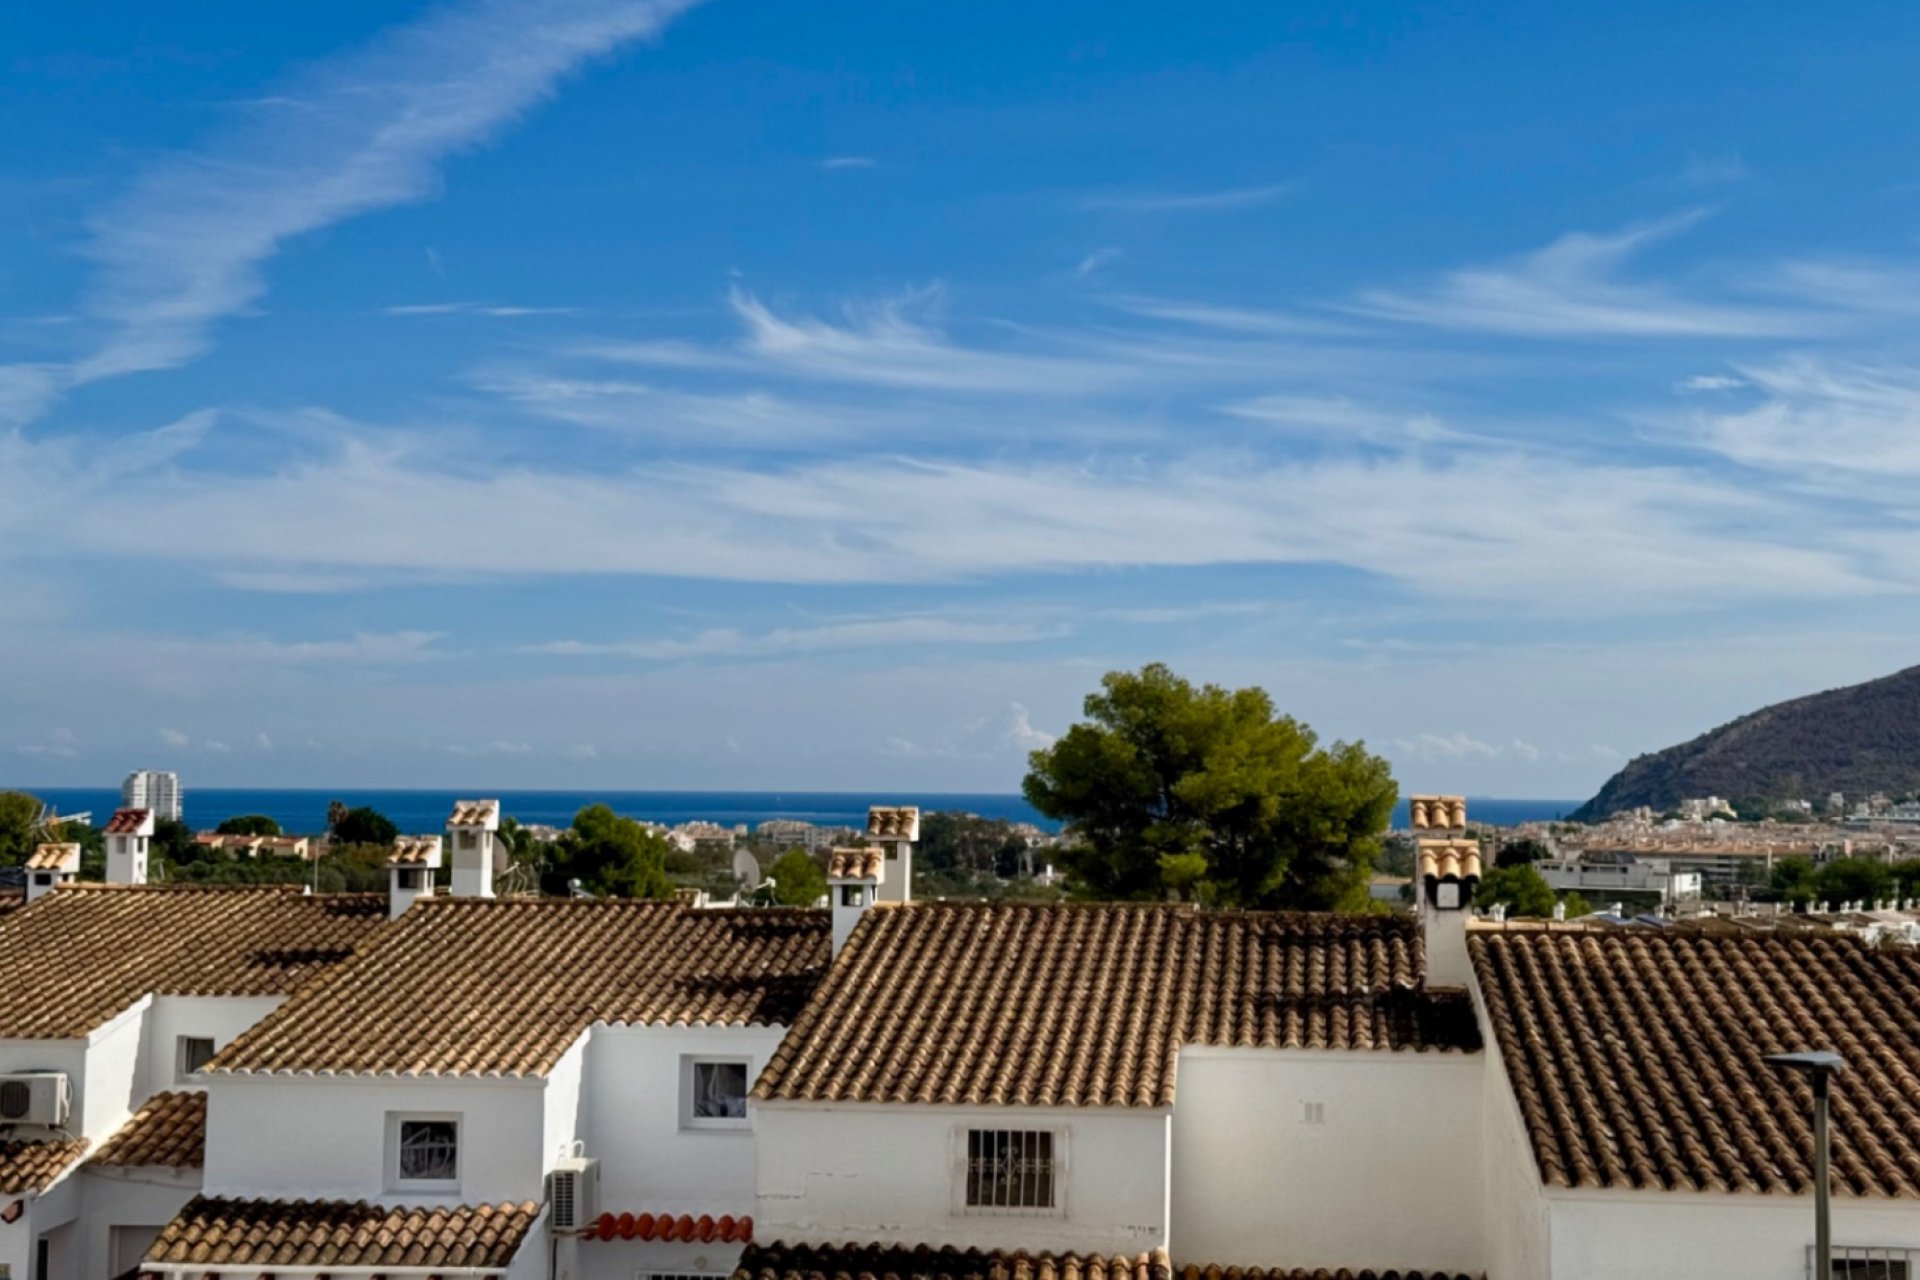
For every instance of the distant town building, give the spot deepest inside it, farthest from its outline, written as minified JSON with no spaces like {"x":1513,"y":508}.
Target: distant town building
{"x":155,"y":790}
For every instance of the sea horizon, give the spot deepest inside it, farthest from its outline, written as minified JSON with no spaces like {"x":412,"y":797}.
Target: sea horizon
{"x":303,"y":810}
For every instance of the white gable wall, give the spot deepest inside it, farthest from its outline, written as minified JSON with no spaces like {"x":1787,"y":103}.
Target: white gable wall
{"x":1323,"y":1158}
{"x":127,"y":1198}
{"x":1518,"y":1223}
{"x":649,"y":1163}
{"x":218,"y":1018}
{"x":888,"y":1173}
{"x":284,"y":1137}
{"x":1680,"y":1235}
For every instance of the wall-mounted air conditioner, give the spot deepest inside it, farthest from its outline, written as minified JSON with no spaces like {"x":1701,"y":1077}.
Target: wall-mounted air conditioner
{"x":35,"y":1097}
{"x":573,"y":1194}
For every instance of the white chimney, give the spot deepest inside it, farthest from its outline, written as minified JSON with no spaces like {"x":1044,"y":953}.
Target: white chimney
{"x":49,"y":867}
{"x":473,"y":839}
{"x":1446,"y":872}
{"x":410,"y":871}
{"x":895,"y":828}
{"x":854,"y":879}
{"x":128,"y":834}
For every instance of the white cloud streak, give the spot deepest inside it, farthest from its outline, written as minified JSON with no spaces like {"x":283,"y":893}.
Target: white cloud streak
{"x":364,"y":131}
{"x":1571,"y":289}
{"x":866,"y":633}
{"x":1212,"y":201}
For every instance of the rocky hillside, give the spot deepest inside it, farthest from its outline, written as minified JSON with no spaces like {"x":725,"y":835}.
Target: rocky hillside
{"x":1857,"y":740}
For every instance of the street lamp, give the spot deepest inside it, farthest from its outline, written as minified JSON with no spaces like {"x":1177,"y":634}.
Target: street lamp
{"x":1819,"y":1066}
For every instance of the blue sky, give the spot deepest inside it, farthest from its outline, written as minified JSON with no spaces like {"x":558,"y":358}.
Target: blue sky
{"x":730,"y":394}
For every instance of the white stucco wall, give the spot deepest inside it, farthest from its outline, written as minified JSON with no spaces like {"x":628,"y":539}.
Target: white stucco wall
{"x":649,"y":1163}
{"x":1517,"y":1220}
{"x":129,"y":1198}
{"x":563,"y":1103}
{"x":218,"y":1018}
{"x":1312,"y":1158}
{"x":1599,"y":1235}
{"x":281,"y":1136}
{"x":888,"y":1173}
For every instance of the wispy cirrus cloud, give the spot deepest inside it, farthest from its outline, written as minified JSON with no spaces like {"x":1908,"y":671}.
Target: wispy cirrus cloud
{"x":1202,"y":201}
{"x":889,"y":342}
{"x":849,"y":162}
{"x":1573,"y":288}
{"x":186,"y":245}
{"x":484,"y":310}
{"x":1468,"y":525}
{"x":863,"y":633}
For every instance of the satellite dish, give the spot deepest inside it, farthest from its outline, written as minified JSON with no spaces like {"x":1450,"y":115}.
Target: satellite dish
{"x":746,"y":869}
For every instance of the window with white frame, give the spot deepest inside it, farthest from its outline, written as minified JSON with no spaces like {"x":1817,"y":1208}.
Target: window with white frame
{"x":713,"y":1092}
{"x":424,"y":1152}
{"x":190,"y":1054}
{"x":1860,"y":1262}
{"x":1012,"y":1171}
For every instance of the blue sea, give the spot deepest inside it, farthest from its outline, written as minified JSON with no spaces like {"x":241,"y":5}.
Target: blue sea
{"x":422,"y":811}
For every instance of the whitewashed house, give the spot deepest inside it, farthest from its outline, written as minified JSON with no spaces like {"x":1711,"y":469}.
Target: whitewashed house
{"x":544,"y":1089}
{"x":114,"y":997}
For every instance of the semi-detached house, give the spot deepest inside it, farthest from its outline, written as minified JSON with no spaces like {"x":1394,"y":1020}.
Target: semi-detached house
{"x":960,"y":1091}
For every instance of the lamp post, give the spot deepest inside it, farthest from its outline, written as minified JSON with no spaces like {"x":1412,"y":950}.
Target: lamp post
{"x":1819,"y":1066}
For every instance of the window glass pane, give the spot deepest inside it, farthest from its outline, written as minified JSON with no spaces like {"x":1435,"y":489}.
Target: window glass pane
{"x":720,"y":1090}
{"x":195,"y":1051}
{"x":429,"y":1150}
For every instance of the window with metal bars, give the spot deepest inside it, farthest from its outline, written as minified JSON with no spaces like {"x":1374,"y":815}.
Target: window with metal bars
{"x":1862,"y":1262}
{"x":1011,"y":1169}
{"x":429,"y":1150}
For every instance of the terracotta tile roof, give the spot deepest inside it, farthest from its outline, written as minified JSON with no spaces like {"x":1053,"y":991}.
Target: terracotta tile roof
{"x":169,"y":1129}
{"x":415,"y":851}
{"x":126,"y":821}
{"x":705,"y":1229}
{"x":473,"y":813}
{"x":78,"y":957}
{"x":54,"y":857}
{"x":1635,"y":1056}
{"x":1449,"y":859}
{"x":33,"y":1166}
{"x":1089,"y":1005}
{"x":898,"y":821}
{"x":854,"y":864}
{"x":894,"y":1262}
{"x":478,"y":986}
{"x":324,"y":1235}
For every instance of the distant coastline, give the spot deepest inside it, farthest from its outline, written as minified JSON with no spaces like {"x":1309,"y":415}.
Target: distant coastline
{"x":305,"y":810}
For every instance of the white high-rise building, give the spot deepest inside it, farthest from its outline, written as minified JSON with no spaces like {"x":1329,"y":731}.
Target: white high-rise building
{"x":153,"y":789}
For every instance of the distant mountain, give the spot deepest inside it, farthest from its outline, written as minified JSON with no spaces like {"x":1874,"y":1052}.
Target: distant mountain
{"x":1857,"y":740}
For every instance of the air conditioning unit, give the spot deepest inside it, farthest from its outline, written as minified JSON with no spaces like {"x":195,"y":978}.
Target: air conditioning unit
{"x":573,"y":1194}
{"x":35,"y":1097}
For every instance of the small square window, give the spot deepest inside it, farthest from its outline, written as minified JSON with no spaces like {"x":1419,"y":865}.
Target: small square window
{"x":426,"y":1152}
{"x":466,"y":839}
{"x":853,"y":895}
{"x":43,"y":877}
{"x":191,"y":1054}
{"x":410,"y":878}
{"x":714,"y":1093}
{"x":1009,"y":1170}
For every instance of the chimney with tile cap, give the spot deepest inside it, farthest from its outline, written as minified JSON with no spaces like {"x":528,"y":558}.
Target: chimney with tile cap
{"x":410,"y":871}
{"x":49,"y":867}
{"x":895,"y":828}
{"x":474,"y":845}
{"x":1446,"y":872}
{"x":129,"y":832}
{"x":854,"y":877}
